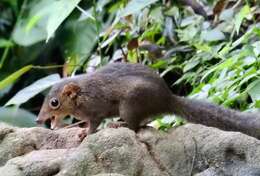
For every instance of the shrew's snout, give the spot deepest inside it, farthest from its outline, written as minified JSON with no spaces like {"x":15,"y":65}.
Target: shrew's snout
{"x":39,"y":121}
{"x":42,"y":117}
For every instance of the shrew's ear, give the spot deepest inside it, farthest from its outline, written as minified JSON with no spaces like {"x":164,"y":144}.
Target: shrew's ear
{"x":71,"y":89}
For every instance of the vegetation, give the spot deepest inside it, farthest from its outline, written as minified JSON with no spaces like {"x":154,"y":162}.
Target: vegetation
{"x":207,"y":50}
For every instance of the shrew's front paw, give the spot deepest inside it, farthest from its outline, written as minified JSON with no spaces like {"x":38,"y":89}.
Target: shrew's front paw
{"x":83,"y":134}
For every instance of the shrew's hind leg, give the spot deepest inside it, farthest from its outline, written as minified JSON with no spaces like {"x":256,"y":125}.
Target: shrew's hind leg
{"x":93,"y":125}
{"x":131,"y":115}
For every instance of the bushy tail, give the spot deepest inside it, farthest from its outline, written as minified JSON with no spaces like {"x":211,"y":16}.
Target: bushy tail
{"x":208,"y":114}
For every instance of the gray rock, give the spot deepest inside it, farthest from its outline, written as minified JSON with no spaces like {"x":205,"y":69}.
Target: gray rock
{"x":19,"y":141}
{"x":187,"y":150}
{"x":111,"y":174}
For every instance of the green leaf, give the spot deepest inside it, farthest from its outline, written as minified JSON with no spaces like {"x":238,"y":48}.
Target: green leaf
{"x":226,"y":64}
{"x":190,"y":65}
{"x":212,"y":35}
{"x":203,"y":47}
{"x":188,"y":21}
{"x":252,"y":73}
{"x":168,"y":119}
{"x":33,"y":21}
{"x":13,"y":77}
{"x":227,"y":15}
{"x":71,"y":64}
{"x":28,"y":92}
{"x":17,"y":117}
{"x":110,"y":39}
{"x":249,"y":60}
{"x":28,"y":30}
{"x":256,"y":49}
{"x":27,"y":38}
{"x":11,"y":2}
{"x":188,"y":34}
{"x":5,"y":43}
{"x":185,"y":77}
{"x":169,"y":68}
{"x":254,"y":90}
{"x":257,"y":104}
{"x":243,"y":13}
{"x":79,"y":38}
{"x":243,"y":39}
{"x":61,"y":9}
{"x":157,"y":16}
{"x":159,"y":64}
{"x":41,"y":20}
{"x":135,"y":6}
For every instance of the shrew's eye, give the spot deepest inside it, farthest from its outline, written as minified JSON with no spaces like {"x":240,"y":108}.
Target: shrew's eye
{"x":54,"y":103}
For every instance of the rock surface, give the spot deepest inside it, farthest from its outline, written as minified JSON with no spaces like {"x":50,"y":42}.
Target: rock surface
{"x":188,"y":150}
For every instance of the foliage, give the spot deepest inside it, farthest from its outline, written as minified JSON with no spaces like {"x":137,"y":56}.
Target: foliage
{"x":214,"y":56}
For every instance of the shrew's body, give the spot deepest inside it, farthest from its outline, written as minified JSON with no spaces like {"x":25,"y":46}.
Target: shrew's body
{"x":135,"y":93}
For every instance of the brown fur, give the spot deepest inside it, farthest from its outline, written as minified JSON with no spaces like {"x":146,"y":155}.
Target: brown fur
{"x":135,"y":93}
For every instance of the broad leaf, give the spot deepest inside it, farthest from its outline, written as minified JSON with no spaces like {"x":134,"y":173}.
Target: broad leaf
{"x":43,"y":19}
{"x":190,"y":65}
{"x":212,"y":35}
{"x":79,"y":38}
{"x":254,"y":90}
{"x":135,"y":6}
{"x":243,"y":13}
{"x":30,"y":28}
{"x":13,"y":77}
{"x":61,"y":9}
{"x":25,"y":94}
{"x":17,"y":117}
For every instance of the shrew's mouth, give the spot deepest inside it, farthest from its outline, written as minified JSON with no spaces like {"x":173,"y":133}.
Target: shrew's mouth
{"x":53,"y":123}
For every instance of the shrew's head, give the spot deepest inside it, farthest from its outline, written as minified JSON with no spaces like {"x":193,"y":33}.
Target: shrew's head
{"x":59,"y":103}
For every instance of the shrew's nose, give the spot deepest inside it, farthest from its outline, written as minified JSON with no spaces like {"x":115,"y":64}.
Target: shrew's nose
{"x":38,"y":121}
